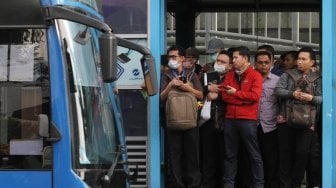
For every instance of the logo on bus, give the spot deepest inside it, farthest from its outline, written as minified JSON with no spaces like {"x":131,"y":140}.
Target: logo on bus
{"x":136,"y":72}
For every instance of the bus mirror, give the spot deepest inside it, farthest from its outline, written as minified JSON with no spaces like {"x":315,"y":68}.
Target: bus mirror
{"x":43,"y":122}
{"x":108,"y":56}
{"x":51,"y":135}
{"x":148,"y":69}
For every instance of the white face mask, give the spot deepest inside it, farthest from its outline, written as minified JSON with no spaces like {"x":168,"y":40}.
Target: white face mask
{"x":219,"y":68}
{"x":173,"y":64}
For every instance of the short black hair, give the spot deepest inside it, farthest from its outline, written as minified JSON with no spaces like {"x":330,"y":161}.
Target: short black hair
{"x":243,"y":51}
{"x":180,"y":49}
{"x":292,"y":53}
{"x":310,"y":51}
{"x":263,"y":53}
{"x":225,"y":52}
{"x":231,"y":50}
{"x":268,"y":48}
{"x":192,"y":51}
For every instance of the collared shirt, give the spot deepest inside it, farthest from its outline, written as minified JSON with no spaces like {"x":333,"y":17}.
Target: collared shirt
{"x":269,"y":104}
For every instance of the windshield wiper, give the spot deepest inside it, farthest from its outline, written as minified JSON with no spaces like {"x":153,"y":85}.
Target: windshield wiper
{"x":107,"y":177}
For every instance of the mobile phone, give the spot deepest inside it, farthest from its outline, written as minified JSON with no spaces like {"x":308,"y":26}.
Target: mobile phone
{"x":184,"y":79}
{"x":224,"y":86}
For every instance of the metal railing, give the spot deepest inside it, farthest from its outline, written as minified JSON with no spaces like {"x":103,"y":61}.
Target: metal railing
{"x":284,"y":30}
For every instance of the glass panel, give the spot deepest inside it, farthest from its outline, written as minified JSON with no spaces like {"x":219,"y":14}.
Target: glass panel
{"x":126,"y":16}
{"x":233,"y":23}
{"x":292,"y":33}
{"x":286,"y":25}
{"x":95,"y":141}
{"x":24,"y":95}
{"x":130,"y":75}
{"x":134,"y":109}
{"x":246,"y":23}
{"x":221,"y":21}
{"x":260,"y":23}
{"x":304,"y":26}
{"x":272,"y":24}
{"x":315,"y":27}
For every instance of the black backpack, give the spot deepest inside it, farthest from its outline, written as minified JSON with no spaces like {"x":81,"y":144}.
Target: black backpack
{"x":301,"y":114}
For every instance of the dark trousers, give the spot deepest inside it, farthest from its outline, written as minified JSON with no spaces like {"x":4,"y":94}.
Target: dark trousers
{"x":268,"y":143}
{"x":236,"y":130}
{"x":294,"y":148}
{"x":183,"y":149}
{"x":314,"y":168}
{"x":211,"y":155}
{"x":244,"y":172}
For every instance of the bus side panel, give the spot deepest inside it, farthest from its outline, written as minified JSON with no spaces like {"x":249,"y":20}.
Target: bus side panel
{"x":25,"y":179}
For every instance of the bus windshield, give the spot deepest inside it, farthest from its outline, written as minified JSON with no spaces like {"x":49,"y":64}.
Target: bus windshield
{"x":94,"y":136}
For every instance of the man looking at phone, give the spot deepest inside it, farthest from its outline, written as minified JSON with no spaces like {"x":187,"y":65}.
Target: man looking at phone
{"x":183,"y":146}
{"x":242,"y":88}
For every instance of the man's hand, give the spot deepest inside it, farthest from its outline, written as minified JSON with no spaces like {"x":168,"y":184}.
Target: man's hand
{"x":299,"y":95}
{"x":175,"y":83}
{"x":213,"y":88}
{"x":280,"y":119}
{"x":230,"y":90}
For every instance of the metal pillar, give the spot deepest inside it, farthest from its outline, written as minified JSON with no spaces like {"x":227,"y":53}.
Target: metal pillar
{"x":185,"y":23}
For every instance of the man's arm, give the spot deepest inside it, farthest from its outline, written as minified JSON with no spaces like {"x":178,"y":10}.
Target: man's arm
{"x":281,"y":87}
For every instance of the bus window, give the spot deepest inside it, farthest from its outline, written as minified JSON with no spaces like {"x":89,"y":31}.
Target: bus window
{"x":126,"y":16}
{"x":24,"y":96}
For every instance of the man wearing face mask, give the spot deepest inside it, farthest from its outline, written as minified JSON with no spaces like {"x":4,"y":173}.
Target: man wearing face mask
{"x":215,"y":45}
{"x":191,"y":60}
{"x":211,"y":134}
{"x":242,"y":89}
{"x":182,"y":145}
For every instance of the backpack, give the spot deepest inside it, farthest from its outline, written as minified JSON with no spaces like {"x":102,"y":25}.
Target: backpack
{"x":301,"y":114}
{"x":181,"y":109}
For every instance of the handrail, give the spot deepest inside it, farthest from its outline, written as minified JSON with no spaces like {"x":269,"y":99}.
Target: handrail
{"x":208,"y":29}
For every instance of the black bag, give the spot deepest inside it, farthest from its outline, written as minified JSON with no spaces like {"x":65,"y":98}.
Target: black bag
{"x":217,"y":115}
{"x":300,"y":114}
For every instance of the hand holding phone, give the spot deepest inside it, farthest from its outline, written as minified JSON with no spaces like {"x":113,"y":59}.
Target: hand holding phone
{"x":224,"y":86}
{"x":183,"y":79}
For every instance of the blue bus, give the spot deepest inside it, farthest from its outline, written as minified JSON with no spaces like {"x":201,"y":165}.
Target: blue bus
{"x":61,"y":123}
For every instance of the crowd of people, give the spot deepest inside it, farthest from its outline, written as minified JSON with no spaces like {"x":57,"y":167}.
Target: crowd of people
{"x":252,"y":138}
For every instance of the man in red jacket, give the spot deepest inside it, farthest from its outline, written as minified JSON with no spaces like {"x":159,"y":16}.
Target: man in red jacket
{"x":242,"y":88}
